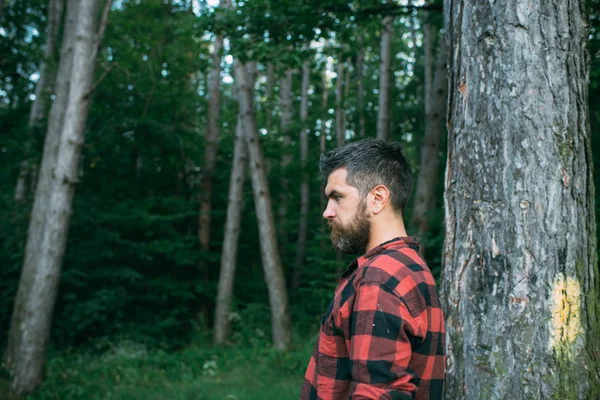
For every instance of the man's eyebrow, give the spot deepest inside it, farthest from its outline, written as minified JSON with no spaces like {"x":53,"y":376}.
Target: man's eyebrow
{"x":332,"y":193}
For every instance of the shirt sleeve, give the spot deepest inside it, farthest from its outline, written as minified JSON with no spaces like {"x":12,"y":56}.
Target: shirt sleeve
{"x":381,"y":332}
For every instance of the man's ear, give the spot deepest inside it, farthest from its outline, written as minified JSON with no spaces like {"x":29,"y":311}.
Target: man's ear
{"x":380,"y":198}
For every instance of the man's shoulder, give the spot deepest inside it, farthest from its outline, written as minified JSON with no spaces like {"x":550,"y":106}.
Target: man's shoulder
{"x":397,"y":269}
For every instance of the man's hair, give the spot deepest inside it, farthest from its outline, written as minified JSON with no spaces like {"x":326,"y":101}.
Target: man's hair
{"x":372,"y":162}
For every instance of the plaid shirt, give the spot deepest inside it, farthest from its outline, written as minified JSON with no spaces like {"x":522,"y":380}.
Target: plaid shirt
{"x":383,"y":334}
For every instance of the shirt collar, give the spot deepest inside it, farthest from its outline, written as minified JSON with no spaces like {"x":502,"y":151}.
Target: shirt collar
{"x":398,"y":242}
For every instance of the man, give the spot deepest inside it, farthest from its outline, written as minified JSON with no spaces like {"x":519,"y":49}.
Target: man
{"x":383,"y":334}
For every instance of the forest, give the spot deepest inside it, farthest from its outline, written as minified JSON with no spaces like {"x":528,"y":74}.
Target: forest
{"x":162,"y":233}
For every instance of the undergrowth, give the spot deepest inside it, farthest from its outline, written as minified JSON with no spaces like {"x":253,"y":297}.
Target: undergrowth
{"x":126,"y":370}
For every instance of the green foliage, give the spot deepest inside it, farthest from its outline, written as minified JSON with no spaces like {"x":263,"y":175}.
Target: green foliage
{"x":128,"y":370}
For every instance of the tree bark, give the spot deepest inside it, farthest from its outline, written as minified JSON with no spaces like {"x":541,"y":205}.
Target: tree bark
{"x":340,"y":126}
{"x":280,"y":319}
{"x":304,"y":187}
{"x":49,"y":158}
{"x":520,"y":282}
{"x":27,"y":359}
{"x":285,"y":92}
{"x":222,"y":326}
{"x":430,"y":158}
{"x":211,"y":144}
{"x":383,"y":115}
{"x":43,"y":89}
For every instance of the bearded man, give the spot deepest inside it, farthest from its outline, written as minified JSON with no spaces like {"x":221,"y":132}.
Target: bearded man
{"x":382,"y":336}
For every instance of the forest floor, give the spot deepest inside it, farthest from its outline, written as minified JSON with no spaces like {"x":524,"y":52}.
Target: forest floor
{"x":129,"y":371}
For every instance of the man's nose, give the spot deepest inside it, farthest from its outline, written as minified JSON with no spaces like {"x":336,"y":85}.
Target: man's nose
{"x":328,"y":213}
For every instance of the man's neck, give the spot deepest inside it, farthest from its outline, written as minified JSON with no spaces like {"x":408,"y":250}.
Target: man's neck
{"x":384,"y":229}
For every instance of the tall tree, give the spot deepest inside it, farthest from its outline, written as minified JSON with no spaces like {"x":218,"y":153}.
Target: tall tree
{"x":360,"y":72}
{"x":323,"y":146}
{"x":435,"y":115}
{"x":39,"y":212}
{"x":211,"y":142}
{"x":47,"y":241}
{"x":43,"y":89}
{"x":304,"y":187}
{"x":285,"y":93}
{"x":383,"y":115}
{"x":280,"y":318}
{"x":340,"y":126}
{"x":521,"y":279}
{"x":222,"y":325}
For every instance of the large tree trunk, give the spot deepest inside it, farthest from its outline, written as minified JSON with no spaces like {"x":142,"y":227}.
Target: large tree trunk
{"x":43,"y":89}
{"x":27,"y":359}
{"x":383,"y":115}
{"x":211,"y":141}
{"x":285,"y":92}
{"x":280,"y":318}
{"x":304,"y":188}
{"x":49,"y":158}
{"x":430,"y":148}
{"x":520,"y":278}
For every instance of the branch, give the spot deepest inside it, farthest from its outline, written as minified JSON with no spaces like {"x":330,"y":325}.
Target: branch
{"x":101,"y":28}
{"x":95,"y":85}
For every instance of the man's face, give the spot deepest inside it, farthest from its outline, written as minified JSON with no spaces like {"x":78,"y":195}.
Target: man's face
{"x":346,"y":214}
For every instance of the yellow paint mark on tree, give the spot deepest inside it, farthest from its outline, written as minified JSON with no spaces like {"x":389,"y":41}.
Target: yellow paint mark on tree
{"x":566,"y":314}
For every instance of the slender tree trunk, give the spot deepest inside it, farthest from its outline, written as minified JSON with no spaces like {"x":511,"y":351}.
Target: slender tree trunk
{"x":304,"y":187}
{"x":428,"y":61}
{"x":39,"y":212}
{"x":39,"y":301}
{"x":360,"y":67}
{"x":323,"y":148}
{"x":211,"y":142}
{"x":269,"y":93}
{"x":430,"y":148}
{"x":340,"y":126}
{"x":520,"y":282}
{"x":222,"y":326}
{"x":384,"y":78}
{"x":285,"y":92}
{"x":211,"y":148}
{"x":280,"y":319}
{"x":43,"y":89}
{"x":345,"y":121}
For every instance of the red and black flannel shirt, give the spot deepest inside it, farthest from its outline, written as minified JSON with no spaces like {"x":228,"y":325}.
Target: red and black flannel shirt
{"x":383,"y":334}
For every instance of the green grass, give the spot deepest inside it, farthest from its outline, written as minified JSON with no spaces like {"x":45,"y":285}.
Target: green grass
{"x":128,"y":371}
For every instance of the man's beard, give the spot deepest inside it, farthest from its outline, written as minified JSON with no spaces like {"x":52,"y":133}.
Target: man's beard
{"x":354,"y":237}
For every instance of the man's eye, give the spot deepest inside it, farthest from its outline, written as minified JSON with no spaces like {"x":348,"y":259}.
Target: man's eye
{"x":337,"y":198}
